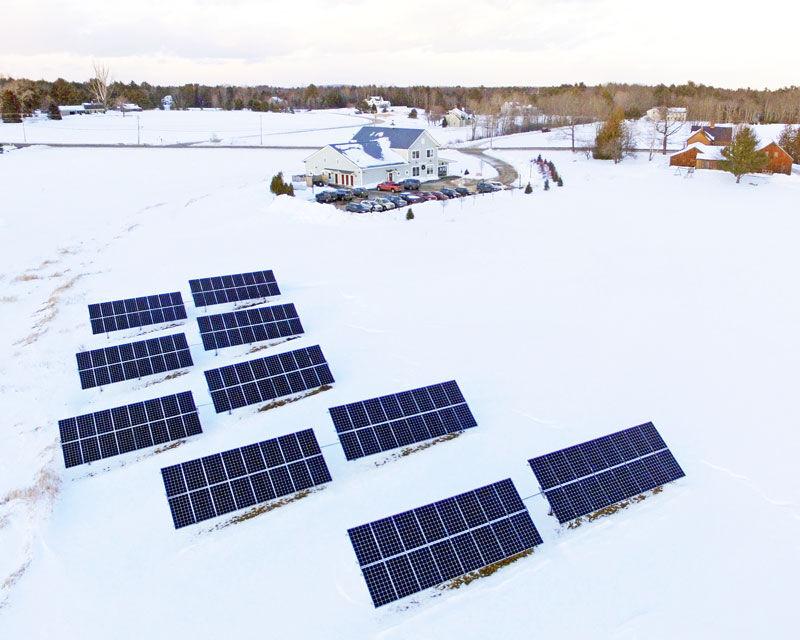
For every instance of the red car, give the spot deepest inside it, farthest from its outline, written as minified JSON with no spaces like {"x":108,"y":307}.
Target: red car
{"x":390,"y":186}
{"x":427,"y":195}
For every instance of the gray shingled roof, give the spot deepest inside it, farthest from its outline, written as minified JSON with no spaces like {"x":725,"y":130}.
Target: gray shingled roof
{"x":718,"y":134}
{"x":398,"y":138}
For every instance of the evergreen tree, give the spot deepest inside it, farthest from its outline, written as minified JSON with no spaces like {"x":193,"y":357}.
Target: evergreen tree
{"x":11,"y":108}
{"x":279,"y":186}
{"x":410,"y":214}
{"x":790,"y":141}
{"x":444,"y":122}
{"x":546,"y":184}
{"x":613,"y":138}
{"x":529,"y":189}
{"x":53,"y":112}
{"x":743,"y":156}
{"x":560,"y":182}
{"x":412,"y":114}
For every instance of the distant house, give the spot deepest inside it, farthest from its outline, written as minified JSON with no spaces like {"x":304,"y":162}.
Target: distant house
{"x":710,"y":135}
{"x":166,"y":103}
{"x":129,"y":106}
{"x":82,"y":109}
{"x":378,"y":102}
{"x":458,"y":118}
{"x":706,"y":156}
{"x":674,"y":114}
{"x":276,"y":100}
{"x":376,"y":154}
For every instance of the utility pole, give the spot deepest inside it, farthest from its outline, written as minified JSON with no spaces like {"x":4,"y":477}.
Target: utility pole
{"x":24,"y":135}
{"x":261,"y":129}
{"x":138,"y":130}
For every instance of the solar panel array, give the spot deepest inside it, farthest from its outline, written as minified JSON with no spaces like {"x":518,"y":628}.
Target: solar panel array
{"x":590,"y":476}
{"x":136,"y":312}
{"x":133,"y":360}
{"x":417,"y":549}
{"x":400,"y":419}
{"x":218,"y":484}
{"x":119,"y":430}
{"x":249,"y":325}
{"x":233,"y":288}
{"x":266,"y":379}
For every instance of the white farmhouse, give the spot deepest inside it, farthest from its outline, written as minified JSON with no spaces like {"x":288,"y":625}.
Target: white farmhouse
{"x":166,"y":103}
{"x":674,"y":114}
{"x":376,"y":154}
{"x":378,"y":102}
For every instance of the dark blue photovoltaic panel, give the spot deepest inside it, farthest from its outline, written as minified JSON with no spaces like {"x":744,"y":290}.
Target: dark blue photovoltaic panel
{"x":233,"y":288}
{"x":136,"y":312}
{"x":400,"y":419}
{"x":590,"y":476}
{"x":133,"y":360}
{"x":223,"y":482}
{"x":266,"y":379}
{"x":119,"y":430}
{"x":417,"y":549}
{"x":247,"y":326}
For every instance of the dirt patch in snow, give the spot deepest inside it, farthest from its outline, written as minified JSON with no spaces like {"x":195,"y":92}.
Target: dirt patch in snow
{"x":261,"y":509}
{"x":485,"y":572}
{"x":280,"y":403}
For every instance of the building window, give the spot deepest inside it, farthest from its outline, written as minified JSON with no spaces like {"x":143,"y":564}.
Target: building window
{"x":415,"y":155}
{"x":415,"y":171}
{"x":430,"y":171}
{"x":430,"y":153}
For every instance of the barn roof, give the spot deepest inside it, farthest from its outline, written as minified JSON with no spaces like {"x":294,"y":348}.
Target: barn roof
{"x":719,"y":134}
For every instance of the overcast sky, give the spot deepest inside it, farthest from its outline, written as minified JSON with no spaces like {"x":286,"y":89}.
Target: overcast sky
{"x":444,"y":42}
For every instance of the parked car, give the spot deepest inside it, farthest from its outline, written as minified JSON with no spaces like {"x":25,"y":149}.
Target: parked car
{"x":374,"y":205}
{"x":427,"y":195}
{"x":344,"y":194}
{"x":450,"y":193}
{"x":357,"y":207}
{"x":326,"y":197}
{"x":485,"y":187}
{"x":387,"y":204}
{"x":439,"y":195}
{"x":545,"y":129}
{"x":410,"y":184}
{"x":498,"y":185}
{"x":360,"y":192}
{"x":390,"y":186}
{"x":398,"y":201}
{"x":463,"y":191}
{"x":411,"y":198}
{"x":318,"y":181}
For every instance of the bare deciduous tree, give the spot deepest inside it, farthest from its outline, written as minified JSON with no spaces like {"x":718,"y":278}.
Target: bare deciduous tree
{"x":99,"y":83}
{"x":665,"y":127}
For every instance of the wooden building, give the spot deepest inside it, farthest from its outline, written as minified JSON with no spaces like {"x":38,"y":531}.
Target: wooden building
{"x":711,"y":135}
{"x":706,"y":156}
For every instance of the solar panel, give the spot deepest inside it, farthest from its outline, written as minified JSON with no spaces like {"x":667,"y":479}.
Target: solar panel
{"x":233,"y":288}
{"x":136,"y":312}
{"x":223,"y":482}
{"x":266,"y":379}
{"x":112,"y":432}
{"x":249,"y":325}
{"x":133,"y":360}
{"x":590,"y":476}
{"x":417,"y":549}
{"x":400,"y":419}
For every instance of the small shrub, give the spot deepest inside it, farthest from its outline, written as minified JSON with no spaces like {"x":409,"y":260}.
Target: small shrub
{"x":53,"y":112}
{"x":529,"y":188}
{"x":412,"y":114}
{"x":279,"y":186}
{"x":410,"y":214}
{"x":560,"y":182}
{"x":546,"y":184}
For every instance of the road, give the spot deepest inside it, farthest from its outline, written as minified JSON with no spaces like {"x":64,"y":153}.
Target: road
{"x":505,"y":172}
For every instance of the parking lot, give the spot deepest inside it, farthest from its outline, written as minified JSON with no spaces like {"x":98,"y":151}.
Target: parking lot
{"x":450,"y":182}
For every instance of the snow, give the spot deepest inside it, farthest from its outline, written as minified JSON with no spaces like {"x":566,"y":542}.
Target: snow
{"x":356,"y":153}
{"x":629,"y":295}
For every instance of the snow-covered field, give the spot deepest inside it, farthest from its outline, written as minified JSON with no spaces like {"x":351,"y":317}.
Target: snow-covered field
{"x":629,"y":295}
{"x":225,"y":128}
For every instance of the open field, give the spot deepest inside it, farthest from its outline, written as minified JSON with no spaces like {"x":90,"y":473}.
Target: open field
{"x":631,"y":294}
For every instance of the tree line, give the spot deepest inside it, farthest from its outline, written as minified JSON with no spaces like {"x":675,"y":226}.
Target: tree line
{"x":510,"y":108}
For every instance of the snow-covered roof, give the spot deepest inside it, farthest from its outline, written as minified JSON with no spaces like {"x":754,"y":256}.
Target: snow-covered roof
{"x":374,"y":154}
{"x":460,"y":113}
{"x":399,"y":138}
{"x":710,"y":152}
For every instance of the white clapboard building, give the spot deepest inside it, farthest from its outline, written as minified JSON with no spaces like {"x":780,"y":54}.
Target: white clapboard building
{"x":376,"y":154}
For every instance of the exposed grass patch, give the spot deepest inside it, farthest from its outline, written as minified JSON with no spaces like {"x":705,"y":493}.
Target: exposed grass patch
{"x":613,"y":508}
{"x":247,"y":305}
{"x":45,"y":486}
{"x":27,"y":277}
{"x":171,"y":376}
{"x":485,"y":572}
{"x":261,"y":347}
{"x":407,"y":451}
{"x":261,"y":509}
{"x":279,"y":403}
{"x":48,"y":311}
{"x":8,"y":299}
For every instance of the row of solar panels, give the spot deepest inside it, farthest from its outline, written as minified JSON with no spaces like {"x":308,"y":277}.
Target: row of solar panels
{"x":116,"y":315}
{"x":399,"y":555}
